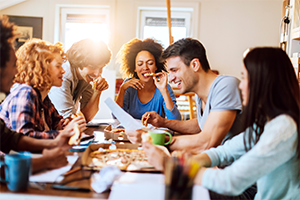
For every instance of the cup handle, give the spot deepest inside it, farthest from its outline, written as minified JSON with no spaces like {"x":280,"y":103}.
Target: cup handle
{"x":1,"y":179}
{"x":169,"y":139}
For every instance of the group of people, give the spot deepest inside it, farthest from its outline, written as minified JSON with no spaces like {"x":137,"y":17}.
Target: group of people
{"x":248,"y":128}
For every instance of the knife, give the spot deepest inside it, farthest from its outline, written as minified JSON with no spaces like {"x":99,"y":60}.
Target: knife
{"x":63,"y":187}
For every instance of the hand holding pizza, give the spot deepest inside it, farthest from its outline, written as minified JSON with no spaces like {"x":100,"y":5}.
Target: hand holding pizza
{"x":154,"y":119}
{"x":99,"y":84}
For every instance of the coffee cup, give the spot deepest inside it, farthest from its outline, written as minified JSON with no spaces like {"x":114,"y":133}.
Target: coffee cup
{"x":158,"y":137}
{"x":17,"y":171}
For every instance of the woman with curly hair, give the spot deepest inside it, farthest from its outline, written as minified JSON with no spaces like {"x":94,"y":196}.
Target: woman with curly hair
{"x":27,"y":108}
{"x":142,"y":92}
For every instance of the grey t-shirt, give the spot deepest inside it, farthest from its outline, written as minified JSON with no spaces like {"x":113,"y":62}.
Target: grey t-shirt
{"x":224,"y":94}
{"x":73,"y":91}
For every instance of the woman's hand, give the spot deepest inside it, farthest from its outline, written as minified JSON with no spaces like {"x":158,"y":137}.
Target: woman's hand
{"x":155,"y":155}
{"x":161,"y":80}
{"x":135,"y":83}
{"x":64,"y":136}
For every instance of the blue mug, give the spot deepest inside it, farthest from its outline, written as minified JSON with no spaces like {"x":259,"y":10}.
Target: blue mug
{"x":17,"y":171}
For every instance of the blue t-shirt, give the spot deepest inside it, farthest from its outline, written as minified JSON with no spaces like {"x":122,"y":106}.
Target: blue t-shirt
{"x":224,"y":94}
{"x":136,"y":109}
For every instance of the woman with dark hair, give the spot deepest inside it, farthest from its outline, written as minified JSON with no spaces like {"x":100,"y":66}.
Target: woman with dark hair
{"x":142,"y":92}
{"x":268,"y":151}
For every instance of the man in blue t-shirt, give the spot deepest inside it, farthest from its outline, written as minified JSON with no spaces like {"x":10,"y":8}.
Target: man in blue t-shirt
{"x":217,"y":98}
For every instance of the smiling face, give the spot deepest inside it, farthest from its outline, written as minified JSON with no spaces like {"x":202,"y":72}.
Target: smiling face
{"x":56,"y":71}
{"x":145,"y":63}
{"x":244,"y":86}
{"x":89,"y":74}
{"x":180,"y":74}
{"x":8,"y":72}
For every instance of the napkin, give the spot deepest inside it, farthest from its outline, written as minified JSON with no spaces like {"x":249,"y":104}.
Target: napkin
{"x":103,"y":180}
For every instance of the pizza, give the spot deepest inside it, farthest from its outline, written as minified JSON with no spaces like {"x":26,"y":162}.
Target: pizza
{"x":150,"y":74}
{"x":79,"y":113}
{"x":94,"y":84}
{"x":121,"y":158}
{"x":145,"y":119}
{"x":75,"y":139}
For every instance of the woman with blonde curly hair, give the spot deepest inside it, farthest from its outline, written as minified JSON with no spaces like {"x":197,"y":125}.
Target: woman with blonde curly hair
{"x":82,"y":83}
{"x":146,"y":88}
{"x":27,"y":108}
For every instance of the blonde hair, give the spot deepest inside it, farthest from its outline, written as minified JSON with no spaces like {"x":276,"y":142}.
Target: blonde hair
{"x":88,"y":53}
{"x":33,"y":59}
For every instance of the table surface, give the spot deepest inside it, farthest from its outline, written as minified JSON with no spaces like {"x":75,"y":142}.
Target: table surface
{"x":49,"y":193}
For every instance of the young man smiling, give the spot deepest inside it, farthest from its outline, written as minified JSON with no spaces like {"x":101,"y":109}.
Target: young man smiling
{"x":217,"y":98}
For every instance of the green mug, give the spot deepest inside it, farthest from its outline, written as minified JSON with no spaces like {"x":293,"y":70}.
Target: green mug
{"x":158,"y":137}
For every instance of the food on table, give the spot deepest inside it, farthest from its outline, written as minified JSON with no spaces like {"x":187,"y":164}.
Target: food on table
{"x":121,"y":158}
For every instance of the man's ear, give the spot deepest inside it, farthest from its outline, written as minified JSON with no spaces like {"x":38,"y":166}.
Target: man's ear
{"x":195,"y":64}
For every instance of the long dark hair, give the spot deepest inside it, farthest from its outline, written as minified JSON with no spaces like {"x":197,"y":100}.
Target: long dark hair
{"x":273,"y":90}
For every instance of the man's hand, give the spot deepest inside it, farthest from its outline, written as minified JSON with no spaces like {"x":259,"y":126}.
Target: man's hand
{"x":63,"y":137}
{"x":100,"y":84}
{"x":155,"y":119}
{"x":155,"y":155}
{"x":51,"y":159}
{"x":135,"y":136}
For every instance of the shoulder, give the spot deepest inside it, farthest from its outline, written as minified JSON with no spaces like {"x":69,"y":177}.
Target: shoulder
{"x":69,"y":72}
{"x":226,"y":81}
{"x":282,"y":122}
{"x":23,"y":90}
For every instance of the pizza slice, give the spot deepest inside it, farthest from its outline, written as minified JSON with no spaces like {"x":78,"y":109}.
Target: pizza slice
{"x":150,"y":74}
{"x":79,"y":113}
{"x":145,"y":119}
{"x":75,"y":139}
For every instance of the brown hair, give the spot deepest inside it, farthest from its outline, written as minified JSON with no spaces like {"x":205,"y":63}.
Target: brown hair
{"x":33,"y":58}
{"x":128,"y":52}
{"x":7,"y":37}
{"x":90,"y":53}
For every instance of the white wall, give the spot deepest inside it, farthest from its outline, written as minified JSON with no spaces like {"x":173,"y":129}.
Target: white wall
{"x":225,"y":27}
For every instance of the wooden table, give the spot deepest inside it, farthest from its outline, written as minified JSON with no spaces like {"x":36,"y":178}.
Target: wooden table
{"x":49,"y":193}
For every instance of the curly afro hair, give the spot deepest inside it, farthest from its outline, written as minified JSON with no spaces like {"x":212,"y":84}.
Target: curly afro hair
{"x":128,"y":52}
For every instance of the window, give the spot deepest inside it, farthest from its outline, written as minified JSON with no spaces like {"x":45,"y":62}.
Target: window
{"x":153,"y":24}
{"x":81,"y":23}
